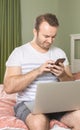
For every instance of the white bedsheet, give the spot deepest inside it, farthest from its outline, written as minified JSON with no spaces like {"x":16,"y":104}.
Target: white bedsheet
{"x":56,"y":127}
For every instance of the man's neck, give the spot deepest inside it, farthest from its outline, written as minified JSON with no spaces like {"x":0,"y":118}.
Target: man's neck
{"x":37,"y":47}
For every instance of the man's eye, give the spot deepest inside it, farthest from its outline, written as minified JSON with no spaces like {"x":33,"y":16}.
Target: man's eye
{"x":46,"y":36}
{"x":54,"y":37}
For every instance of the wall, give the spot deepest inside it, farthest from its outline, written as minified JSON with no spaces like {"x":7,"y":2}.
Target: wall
{"x":69,"y":16}
{"x":30,"y":9}
{"x":66,"y":10}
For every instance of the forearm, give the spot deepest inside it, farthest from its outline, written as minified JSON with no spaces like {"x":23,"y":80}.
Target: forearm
{"x":65,"y":77}
{"x":18,"y":83}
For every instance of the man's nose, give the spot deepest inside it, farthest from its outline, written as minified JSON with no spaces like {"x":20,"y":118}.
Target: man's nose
{"x":50,"y":40}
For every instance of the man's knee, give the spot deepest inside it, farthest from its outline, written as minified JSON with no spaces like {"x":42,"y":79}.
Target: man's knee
{"x":37,"y":121}
{"x":71,"y":118}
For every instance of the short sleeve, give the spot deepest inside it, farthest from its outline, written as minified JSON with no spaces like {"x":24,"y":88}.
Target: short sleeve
{"x":66,"y":62}
{"x":59,"y":53}
{"x":15,"y":58}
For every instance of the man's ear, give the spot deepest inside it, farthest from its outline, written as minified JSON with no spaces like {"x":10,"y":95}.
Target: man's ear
{"x":34,"y":32}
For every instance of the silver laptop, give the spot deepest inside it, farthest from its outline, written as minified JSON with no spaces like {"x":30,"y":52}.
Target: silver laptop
{"x":56,"y":97}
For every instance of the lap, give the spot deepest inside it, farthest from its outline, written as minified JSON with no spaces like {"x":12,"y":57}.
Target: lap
{"x":56,"y":116}
{"x":22,"y":111}
{"x":69,"y":118}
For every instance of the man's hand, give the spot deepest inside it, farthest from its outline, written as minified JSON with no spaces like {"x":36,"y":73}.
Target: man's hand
{"x":46,"y":67}
{"x":49,"y":66}
{"x":58,"y":70}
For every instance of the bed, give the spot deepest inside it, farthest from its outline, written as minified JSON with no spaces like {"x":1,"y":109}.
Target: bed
{"x":8,"y":121}
{"x":7,"y":117}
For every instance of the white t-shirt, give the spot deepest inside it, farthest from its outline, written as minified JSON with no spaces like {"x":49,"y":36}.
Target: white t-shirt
{"x":28,"y":59}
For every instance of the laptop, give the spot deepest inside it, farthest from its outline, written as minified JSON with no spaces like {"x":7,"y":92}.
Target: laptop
{"x":56,"y":97}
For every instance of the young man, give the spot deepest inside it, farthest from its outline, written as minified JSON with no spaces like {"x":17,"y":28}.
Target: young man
{"x":35,"y":62}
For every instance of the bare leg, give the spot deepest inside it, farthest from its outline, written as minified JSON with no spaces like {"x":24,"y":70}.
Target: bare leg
{"x":72,"y":120}
{"x":37,"y":122}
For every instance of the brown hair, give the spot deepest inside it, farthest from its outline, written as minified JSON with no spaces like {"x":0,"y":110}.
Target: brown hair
{"x":50,"y":18}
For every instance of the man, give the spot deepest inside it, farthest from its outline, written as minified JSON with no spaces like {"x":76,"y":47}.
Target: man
{"x":35,"y":62}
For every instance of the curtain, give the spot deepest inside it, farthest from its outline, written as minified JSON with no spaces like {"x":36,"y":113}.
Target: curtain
{"x":10,"y":30}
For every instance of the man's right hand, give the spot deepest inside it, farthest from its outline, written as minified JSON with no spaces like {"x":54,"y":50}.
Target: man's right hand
{"x":46,"y":67}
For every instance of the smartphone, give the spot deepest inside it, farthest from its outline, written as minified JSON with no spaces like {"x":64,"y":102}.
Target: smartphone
{"x":59,"y":60}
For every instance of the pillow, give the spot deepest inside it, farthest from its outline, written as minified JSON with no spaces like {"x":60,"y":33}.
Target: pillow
{"x":7,"y":116}
{"x":11,"y":121}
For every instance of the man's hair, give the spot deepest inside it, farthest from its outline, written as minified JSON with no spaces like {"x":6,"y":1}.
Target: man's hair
{"x":51,"y":19}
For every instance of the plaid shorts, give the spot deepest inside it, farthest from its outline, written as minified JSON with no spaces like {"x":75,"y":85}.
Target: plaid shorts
{"x":56,"y":115}
{"x":22,"y":111}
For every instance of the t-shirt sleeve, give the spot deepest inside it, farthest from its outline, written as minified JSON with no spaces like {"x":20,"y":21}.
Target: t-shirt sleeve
{"x":59,"y":53}
{"x":63,"y":55}
{"x":15,"y":58}
{"x":66,"y":62}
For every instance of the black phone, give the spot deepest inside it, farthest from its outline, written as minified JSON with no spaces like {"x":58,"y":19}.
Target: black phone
{"x":59,"y":60}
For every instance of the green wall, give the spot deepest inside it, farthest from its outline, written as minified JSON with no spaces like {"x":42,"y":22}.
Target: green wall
{"x":69,"y":15}
{"x":67,"y":11}
{"x":32,"y":8}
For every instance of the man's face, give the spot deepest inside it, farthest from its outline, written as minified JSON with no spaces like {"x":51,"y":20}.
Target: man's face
{"x":46,"y":35}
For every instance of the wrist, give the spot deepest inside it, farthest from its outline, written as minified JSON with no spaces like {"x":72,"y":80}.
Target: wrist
{"x":63,"y":76}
